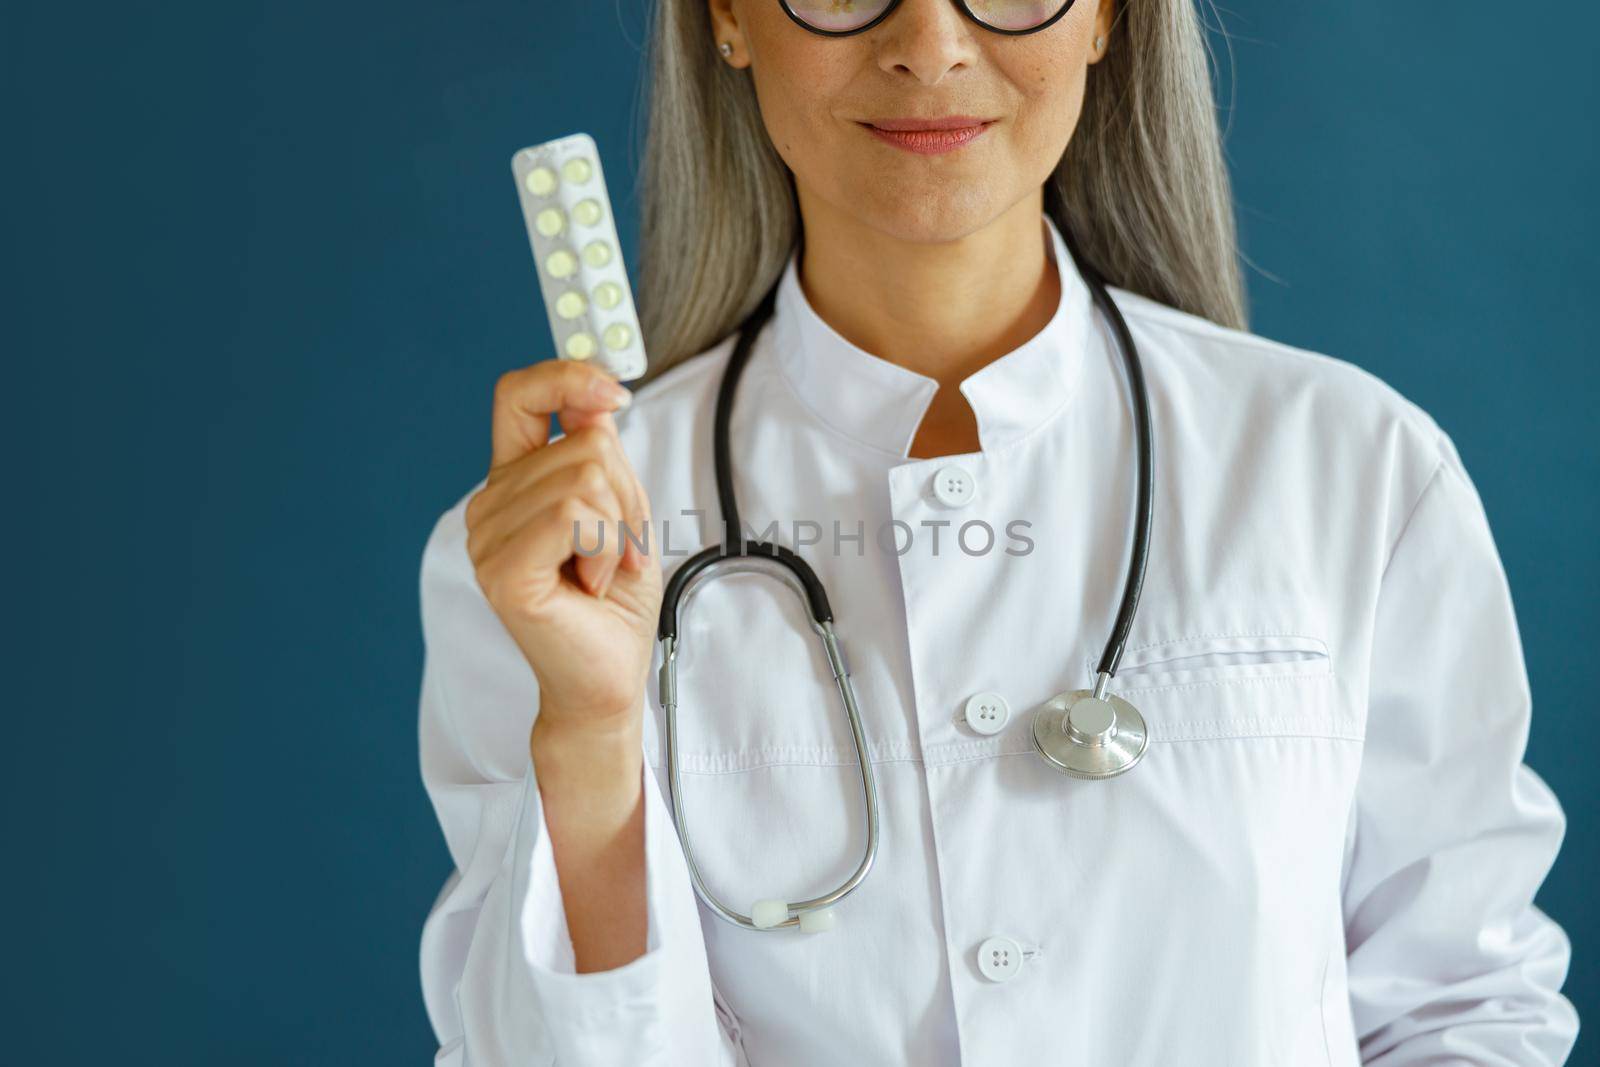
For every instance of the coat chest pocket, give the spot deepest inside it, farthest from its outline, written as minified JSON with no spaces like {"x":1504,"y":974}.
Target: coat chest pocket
{"x":1217,"y":685}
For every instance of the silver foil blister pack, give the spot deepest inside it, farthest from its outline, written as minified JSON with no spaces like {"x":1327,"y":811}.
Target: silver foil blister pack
{"x":578,"y":256}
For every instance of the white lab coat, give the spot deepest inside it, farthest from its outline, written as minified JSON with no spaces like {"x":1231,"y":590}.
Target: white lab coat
{"x":1326,"y":857}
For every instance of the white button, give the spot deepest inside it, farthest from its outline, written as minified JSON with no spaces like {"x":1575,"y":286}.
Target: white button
{"x":954,"y":486}
{"x":987,"y":712}
{"x":999,"y":958}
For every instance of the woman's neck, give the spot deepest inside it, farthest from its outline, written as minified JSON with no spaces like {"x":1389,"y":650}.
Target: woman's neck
{"x":942,"y":308}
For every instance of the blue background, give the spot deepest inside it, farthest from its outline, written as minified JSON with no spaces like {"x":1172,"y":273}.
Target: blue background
{"x":263,"y":265}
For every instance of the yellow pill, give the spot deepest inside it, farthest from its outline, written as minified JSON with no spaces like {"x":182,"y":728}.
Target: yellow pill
{"x":541,"y":181}
{"x":597,"y":253}
{"x":549,"y":221}
{"x":561,"y":264}
{"x":587,"y":211}
{"x":570,"y":305}
{"x":580,"y":346}
{"x":608,"y":295}
{"x":618,"y":335}
{"x":577,"y":170}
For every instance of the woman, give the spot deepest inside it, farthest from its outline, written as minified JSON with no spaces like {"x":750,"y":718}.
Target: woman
{"x":1329,"y":851}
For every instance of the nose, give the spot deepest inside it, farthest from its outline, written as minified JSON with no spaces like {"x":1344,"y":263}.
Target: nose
{"x":925,"y":38}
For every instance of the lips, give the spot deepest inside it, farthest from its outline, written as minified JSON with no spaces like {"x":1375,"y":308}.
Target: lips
{"x":944,"y":122}
{"x":926,"y":138}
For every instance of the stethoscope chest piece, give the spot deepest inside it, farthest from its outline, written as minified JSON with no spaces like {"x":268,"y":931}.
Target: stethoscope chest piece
{"x":1089,"y":737}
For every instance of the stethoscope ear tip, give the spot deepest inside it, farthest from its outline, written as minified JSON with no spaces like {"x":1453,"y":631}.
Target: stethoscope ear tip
{"x":816,"y":920}
{"x":766,"y":914}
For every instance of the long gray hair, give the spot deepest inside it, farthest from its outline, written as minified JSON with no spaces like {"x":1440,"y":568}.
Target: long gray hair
{"x":1142,"y":186}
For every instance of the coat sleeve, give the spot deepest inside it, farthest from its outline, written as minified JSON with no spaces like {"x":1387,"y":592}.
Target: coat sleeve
{"x":498,"y":974}
{"x":1449,"y":959}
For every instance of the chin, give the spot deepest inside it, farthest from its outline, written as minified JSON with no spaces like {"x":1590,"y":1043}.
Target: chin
{"x":931,"y":213}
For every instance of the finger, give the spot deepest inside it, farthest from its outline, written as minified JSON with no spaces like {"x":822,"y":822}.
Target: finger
{"x":590,"y":444}
{"x":587,"y":479}
{"x":571,"y":422}
{"x":631,"y":525}
{"x":634,"y":558}
{"x":595,"y":568}
{"x":524,"y":400}
{"x":603,"y":429}
{"x":547,"y":541}
{"x":576,"y":418}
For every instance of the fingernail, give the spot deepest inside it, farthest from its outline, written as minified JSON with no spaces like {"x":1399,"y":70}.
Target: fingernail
{"x":609,"y":390}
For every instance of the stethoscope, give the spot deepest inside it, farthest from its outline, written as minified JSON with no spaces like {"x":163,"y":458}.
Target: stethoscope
{"x":1086,"y":733}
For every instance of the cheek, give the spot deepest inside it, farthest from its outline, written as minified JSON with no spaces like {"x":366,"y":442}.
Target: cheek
{"x":795,"y":92}
{"x":1048,"y":73}
{"x":1052,"y":100}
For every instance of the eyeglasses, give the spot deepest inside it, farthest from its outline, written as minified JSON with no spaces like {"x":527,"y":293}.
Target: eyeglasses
{"x":841,"y":18}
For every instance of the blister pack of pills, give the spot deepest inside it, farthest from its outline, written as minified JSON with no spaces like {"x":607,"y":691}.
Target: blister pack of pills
{"x":579,"y":258}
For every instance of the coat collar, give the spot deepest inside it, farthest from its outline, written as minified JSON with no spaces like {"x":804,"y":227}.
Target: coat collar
{"x":881,"y":404}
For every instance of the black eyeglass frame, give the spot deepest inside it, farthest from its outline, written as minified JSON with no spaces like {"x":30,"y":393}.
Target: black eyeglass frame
{"x":960,"y":4}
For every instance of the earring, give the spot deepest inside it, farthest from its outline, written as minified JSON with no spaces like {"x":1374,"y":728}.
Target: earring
{"x":1099,"y":43}
{"x":725,"y":48}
